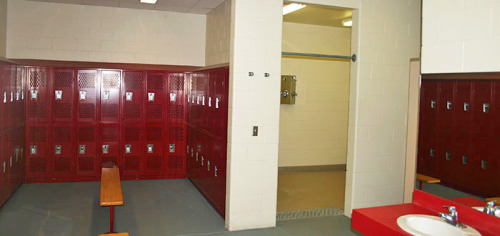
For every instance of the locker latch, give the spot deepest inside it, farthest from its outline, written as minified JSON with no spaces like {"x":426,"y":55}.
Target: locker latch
{"x":81,"y":149}
{"x":448,"y":105}
{"x":58,"y":149}
{"x":192,"y":99}
{"x":208,"y":165}
{"x":173,"y":97}
{"x":150,"y":148}
{"x":105,"y":149}
{"x":10,"y":161}
{"x":83,"y":95}
{"x":484,"y":164}
{"x":215,"y":171}
{"x":209,"y":101}
{"x":106,"y":95}
{"x":59,"y":94}
{"x":189,"y":98}
{"x":196,"y":156}
{"x":203,"y":100}
{"x":198,"y":100}
{"x":448,"y":156}
{"x":187,"y":148}
{"x":202,"y":159}
{"x":3,"y":166}
{"x":464,"y":159}
{"x":216,"y":102}
{"x":191,"y":152}
{"x":34,"y":94}
{"x":486,"y":107}
{"x":128,"y":96}
{"x":433,"y":103}
{"x":151,"y":97}
{"x":22,"y":95}
{"x":466,"y":106}
{"x":11,"y":96}
{"x":18,"y":95}
{"x":128,"y":148}
{"x":432,"y":152}
{"x":171,"y":147}
{"x":33,"y":149}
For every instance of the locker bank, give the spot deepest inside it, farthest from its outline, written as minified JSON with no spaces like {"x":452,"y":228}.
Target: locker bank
{"x":172,"y":117}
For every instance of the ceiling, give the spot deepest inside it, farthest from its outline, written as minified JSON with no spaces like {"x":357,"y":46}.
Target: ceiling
{"x":184,"y":6}
{"x":317,"y":15}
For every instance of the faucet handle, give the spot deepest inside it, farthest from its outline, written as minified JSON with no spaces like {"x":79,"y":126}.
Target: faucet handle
{"x":450,"y":208}
{"x":491,"y":203}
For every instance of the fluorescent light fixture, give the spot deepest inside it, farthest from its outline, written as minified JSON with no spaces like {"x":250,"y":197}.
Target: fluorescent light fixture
{"x":292,"y":7}
{"x":149,"y":1}
{"x":347,"y":22}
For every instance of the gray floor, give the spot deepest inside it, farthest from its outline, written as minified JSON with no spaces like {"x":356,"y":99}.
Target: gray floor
{"x":445,"y":192}
{"x":153,"y":207}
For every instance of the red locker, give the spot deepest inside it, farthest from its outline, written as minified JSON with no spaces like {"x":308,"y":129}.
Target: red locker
{"x":86,"y":149}
{"x":481,"y":102}
{"x":445,"y":106}
{"x":155,"y":97}
{"x":63,"y":95}
{"x":63,"y":149}
{"x":132,"y":148}
{"x":428,"y":105}
{"x":155,"y":160}
{"x":110,"y":96}
{"x":133,"y":96}
{"x":109,"y":147}
{"x":221,"y":104}
{"x":87,"y":96}
{"x":38,"y":107}
{"x":37,"y":147}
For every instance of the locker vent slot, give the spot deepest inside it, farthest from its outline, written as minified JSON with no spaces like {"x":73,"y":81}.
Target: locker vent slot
{"x":38,"y":79}
{"x":154,"y":162}
{"x":62,"y":134}
{"x":109,"y":134}
{"x":176,"y":82}
{"x":111,"y":79}
{"x":132,"y":163}
{"x":132,"y":134}
{"x":63,"y":79}
{"x":86,"y":134}
{"x":86,"y":164}
{"x":154,"y":111}
{"x":38,"y":134}
{"x":132,"y":111}
{"x":38,"y":110}
{"x":176,"y":134}
{"x":109,"y":110}
{"x":175,"y":163}
{"x":106,"y":159}
{"x":86,"y":111}
{"x":155,"y":134}
{"x":155,"y":82}
{"x":37,"y":165}
{"x":62,"y":164}
{"x":62,"y":110}
{"x":176,"y":112}
{"x":86,"y":79}
{"x":133,"y":81}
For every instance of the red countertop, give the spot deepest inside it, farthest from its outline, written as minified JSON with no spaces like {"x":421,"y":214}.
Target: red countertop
{"x":382,"y":220}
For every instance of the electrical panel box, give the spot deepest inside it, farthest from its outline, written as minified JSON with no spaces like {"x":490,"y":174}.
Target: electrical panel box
{"x":288,"y":91}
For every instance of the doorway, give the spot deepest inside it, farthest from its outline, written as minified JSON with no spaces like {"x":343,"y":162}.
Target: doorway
{"x":314,"y":130}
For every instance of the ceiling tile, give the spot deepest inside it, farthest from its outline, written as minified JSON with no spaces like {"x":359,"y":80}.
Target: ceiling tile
{"x":196,"y":10}
{"x":107,"y":3}
{"x":171,"y":8}
{"x":210,"y":4}
{"x":136,"y":5}
{"x":177,"y":3}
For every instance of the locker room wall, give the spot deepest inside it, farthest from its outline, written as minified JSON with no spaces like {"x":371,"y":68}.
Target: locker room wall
{"x":459,"y":140}
{"x":12,"y":128}
{"x":207,"y":107}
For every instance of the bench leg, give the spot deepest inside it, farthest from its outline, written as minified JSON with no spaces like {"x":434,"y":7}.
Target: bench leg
{"x":111,"y":217}
{"x":420,"y":185}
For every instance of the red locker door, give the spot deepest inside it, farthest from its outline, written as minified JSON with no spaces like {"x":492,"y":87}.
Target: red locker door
{"x":428,"y":105}
{"x":63,"y":95}
{"x":445,"y":122}
{"x":86,"y":149}
{"x":132,"y":96}
{"x":155,"y":97}
{"x":109,"y":147}
{"x":155,"y":161}
{"x":176,"y":125}
{"x":110,"y":96}
{"x":3,"y":172}
{"x":221,"y":104}
{"x":87,"y":96}
{"x":38,"y":95}
{"x":481,"y":100}
{"x":63,"y":149}
{"x":461,"y":134}
{"x":132,"y":148}
{"x":37,"y":147}
{"x":212,"y":94}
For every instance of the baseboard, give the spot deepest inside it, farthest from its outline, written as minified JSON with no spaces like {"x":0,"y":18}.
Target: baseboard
{"x":295,"y":169}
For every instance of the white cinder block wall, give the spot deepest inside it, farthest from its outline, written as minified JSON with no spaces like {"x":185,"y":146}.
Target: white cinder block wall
{"x":218,"y":33}
{"x":460,"y":36}
{"x":70,"y":32}
{"x":3,"y":28}
{"x":253,"y":101}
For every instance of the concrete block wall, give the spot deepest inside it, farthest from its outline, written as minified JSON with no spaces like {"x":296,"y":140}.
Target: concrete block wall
{"x":460,"y":36}
{"x":69,"y":32}
{"x":253,"y":101}
{"x":3,"y":28}
{"x":218,"y":33}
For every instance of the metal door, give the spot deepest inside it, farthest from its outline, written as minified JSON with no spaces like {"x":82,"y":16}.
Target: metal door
{"x":153,"y":147}
{"x":132,"y":96}
{"x":63,"y":149}
{"x":110,"y":96}
{"x":132,"y":148}
{"x":155,"y":97}
{"x":86,"y":149}
{"x":63,"y":95}
{"x":87,"y":96}
{"x":38,"y":97}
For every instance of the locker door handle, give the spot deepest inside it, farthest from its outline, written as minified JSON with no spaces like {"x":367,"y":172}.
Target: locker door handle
{"x":128,"y":96}
{"x":3,"y":166}
{"x":33,"y":149}
{"x":105,"y":149}
{"x":173,"y":97}
{"x":208,"y":165}
{"x":81,"y":149}
{"x":128,"y":148}
{"x":215,"y":171}
{"x":34,"y":94}
{"x":150,"y":148}
{"x":59,"y":94}
{"x":171,"y":148}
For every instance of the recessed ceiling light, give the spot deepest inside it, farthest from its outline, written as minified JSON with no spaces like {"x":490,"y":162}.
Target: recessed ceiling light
{"x":347,"y":22}
{"x":292,"y":7}
{"x":149,"y":1}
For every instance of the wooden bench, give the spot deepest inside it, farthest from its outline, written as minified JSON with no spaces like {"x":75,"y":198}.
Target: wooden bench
{"x":114,"y":234}
{"x":427,"y":179}
{"x":111,"y":191}
{"x":493,"y":199}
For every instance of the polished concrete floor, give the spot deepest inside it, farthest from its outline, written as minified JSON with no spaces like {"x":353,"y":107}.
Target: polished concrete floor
{"x":153,"y":207}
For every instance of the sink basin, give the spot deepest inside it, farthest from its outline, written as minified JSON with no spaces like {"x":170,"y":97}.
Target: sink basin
{"x":426,"y":225}
{"x":497,"y":212}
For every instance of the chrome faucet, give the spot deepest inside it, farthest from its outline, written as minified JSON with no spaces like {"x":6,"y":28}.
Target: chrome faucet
{"x":491,"y":209}
{"x":451,"y":217}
